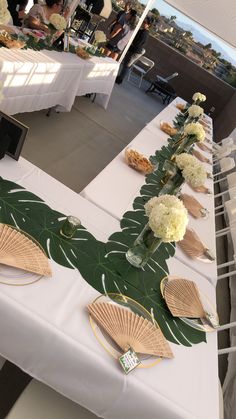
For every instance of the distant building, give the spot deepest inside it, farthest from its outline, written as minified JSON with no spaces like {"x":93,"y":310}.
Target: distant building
{"x":221,"y":70}
{"x":195,"y":58}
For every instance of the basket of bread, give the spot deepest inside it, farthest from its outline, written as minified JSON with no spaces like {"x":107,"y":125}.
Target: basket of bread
{"x":138,"y":162}
{"x":168,"y":129}
{"x":181,"y":107}
{"x":9,"y":42}
{"x":82,"y":53}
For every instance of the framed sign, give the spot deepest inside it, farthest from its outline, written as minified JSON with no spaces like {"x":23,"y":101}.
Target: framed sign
{"x":12,"y":136}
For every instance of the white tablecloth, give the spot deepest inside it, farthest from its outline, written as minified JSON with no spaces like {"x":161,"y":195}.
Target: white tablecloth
{"x":34,"y":80}
{"x":45,"y":330}
{"x":116,"y":186}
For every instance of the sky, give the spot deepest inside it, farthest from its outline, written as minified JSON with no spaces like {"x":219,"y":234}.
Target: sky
{"x":167,"y":10}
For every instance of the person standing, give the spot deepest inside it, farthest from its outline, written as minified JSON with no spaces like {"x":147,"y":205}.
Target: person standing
{"x":121,"y":32}
{"x":17,"y":10}
{"x":121,"y":16}
{"x":136,"y":49}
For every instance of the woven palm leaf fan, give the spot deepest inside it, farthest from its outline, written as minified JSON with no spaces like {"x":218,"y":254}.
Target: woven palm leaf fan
{"x":128,"y":329}
{"x":193,"y":247}
{"x":200,"y":157}
{"x":202,"y":189}
{"x":19,"y":251}
{"x":204,"y":147}
{"x":193,"y":206}
{"x":182,"y":298}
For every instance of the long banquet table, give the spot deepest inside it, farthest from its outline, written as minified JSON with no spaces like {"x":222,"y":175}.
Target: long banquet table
{"x":35,"y":80}
{"x":45,"y":330}
{"x":117,"y":174}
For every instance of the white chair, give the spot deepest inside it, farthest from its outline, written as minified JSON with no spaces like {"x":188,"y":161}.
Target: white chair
{"x":231,"y":180}
{"x":228,"y":141}
{"x":232,"y":195}
{"x":232,"y":230}
{"x":39,"y":401}
{"x":167,"y":79}
{"x":140,"y":70}
{"x":230,"y":207}
{"x":223,"y":151}
{"x":231,"y":348}
{"x":226,"y":164}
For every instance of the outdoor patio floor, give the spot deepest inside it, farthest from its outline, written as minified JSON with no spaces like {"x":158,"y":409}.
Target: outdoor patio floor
{"x":74,"y":147}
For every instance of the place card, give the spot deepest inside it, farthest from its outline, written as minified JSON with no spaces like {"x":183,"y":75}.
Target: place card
{"x":129,"y":360}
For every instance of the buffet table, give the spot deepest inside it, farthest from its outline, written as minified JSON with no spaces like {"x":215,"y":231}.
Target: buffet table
{"x":35,"y":80}
{"x":117,"y":174}
{"x":47,"y":332}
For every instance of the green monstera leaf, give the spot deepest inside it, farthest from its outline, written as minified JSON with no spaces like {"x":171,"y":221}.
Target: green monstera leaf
{"x":29,"y":213}
{"x":106,"y":269}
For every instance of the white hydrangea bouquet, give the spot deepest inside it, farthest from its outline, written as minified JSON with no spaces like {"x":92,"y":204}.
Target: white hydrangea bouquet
{"x":190,"y":113}
{"x":192,"y":132}
{"x":99,"y":37}
{"x":5,"y":16}
{"x":198,"y":98}
{"x":193,"y":172}
{"x":167,"y":222}
{"x":194,"y":113}
{"x":57,"y":24}
{"x":195,"y":130}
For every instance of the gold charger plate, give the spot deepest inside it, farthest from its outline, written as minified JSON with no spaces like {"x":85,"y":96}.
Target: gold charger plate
{"x":105,"y":340}
{"x":199,"y":324}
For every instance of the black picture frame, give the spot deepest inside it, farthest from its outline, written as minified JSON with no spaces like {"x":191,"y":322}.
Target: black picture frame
{"x":16,"y":133}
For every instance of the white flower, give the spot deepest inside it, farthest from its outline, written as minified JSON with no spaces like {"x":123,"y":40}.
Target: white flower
{"x":196,"y":129}
{"x":195,"y":175}
{"x":185,"y":159}
{"x":195,"y":111}
{"x":5,"y":16}
{"x":168,"y":217}
{"x":199,"y":96}
{"x":167,"y":200}
{"x":58,"y":21}
{"x":100,"y":36}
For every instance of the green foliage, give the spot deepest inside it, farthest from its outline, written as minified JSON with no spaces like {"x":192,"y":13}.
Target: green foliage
{"x":155,"y":12}
{"x":208,"y":46}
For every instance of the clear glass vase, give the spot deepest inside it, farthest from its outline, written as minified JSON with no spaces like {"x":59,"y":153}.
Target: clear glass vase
{"x":143,"y":248}
{"x":172,"y":180}
{"x":183,"y":144}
